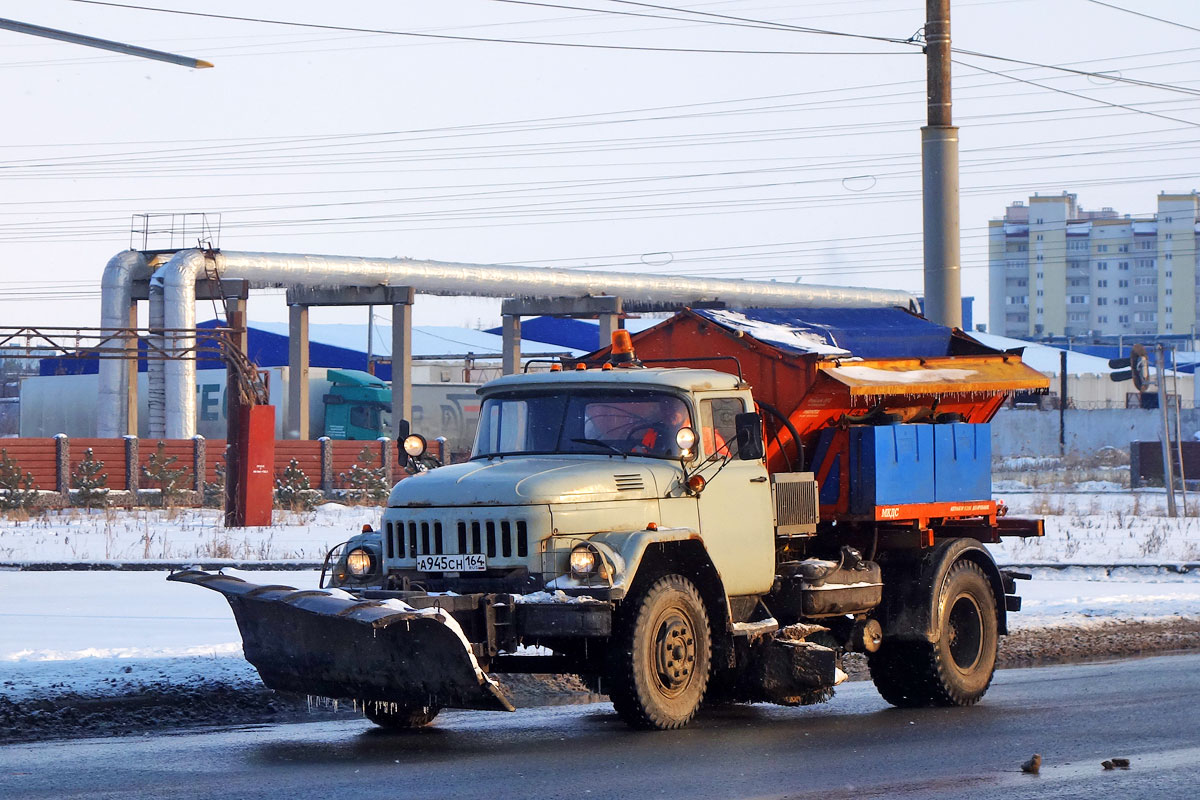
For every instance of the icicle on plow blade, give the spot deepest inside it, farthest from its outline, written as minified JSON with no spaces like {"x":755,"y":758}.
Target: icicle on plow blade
{"x":331,"y":645}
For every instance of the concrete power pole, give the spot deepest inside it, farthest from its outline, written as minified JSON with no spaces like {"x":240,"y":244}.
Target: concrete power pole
{"x":939,"y":169}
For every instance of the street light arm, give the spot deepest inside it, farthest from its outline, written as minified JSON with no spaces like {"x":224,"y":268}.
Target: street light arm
{"x":102,"y":44}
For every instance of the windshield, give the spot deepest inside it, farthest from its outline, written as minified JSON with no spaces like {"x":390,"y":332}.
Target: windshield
{"x":613,"y":421}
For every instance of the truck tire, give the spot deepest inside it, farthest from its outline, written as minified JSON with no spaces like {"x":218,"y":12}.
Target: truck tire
{"x":957,"y":668}
{"x":397,"y":716}
{"x":659,"y":665}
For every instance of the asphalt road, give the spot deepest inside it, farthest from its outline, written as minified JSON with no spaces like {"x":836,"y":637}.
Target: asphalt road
{"x":1146,"y":710}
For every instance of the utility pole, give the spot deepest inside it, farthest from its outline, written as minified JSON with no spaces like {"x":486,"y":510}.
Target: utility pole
{"x":1168,"y":471}
{"x":939,"y":170}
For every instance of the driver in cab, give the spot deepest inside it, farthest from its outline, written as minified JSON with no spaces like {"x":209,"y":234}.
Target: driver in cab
{"x":658,"y":437}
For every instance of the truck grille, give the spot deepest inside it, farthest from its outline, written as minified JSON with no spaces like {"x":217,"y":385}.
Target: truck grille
{"x":494,"y":538}
{"x":796,"y":510}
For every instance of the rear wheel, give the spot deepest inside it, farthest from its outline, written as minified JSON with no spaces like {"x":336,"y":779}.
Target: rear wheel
{"x":661,"y":654}
{"x":957,"y":668}
{"x":397,"y":716}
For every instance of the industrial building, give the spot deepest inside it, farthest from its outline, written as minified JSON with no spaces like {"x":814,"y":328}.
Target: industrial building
{"x":1056,"y":270}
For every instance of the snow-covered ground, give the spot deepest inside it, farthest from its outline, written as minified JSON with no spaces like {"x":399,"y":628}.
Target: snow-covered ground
{"x":75,"y":535}
{"x":1103,"y":527}
{"x":100,"y":632}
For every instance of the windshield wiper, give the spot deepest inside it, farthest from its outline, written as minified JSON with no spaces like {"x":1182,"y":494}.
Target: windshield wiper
{"x":605,"y":445}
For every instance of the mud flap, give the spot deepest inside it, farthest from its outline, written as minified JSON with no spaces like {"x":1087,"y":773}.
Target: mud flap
{"x":318,"y":643}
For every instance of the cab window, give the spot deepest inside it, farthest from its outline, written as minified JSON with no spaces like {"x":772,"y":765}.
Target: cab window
{"x":364,"y":417}
{"x":718,"y":429}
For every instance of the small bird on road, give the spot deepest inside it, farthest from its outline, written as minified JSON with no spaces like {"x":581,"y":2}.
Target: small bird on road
{"x":1033,"y":765}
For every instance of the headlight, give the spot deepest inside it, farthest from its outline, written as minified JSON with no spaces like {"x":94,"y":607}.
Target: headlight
{"x":584,"y":560}
{"x":415,"y":444}
{"x":359,"y":562}
{"x":685,"y":440}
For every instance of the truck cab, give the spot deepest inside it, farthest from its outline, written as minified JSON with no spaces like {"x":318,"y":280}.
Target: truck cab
{"x":607,"y":461}
{"x":357,"y":407}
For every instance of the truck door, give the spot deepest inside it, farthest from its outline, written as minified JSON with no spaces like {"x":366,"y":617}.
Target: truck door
{"x":737,"y":520}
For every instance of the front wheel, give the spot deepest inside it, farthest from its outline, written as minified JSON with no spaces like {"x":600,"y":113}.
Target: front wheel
{"x":957,"y":668}
{"x":398,"y":716}
{"x":660,"y":662}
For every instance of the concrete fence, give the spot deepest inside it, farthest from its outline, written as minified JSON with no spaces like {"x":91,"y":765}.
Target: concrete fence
{"x":1034,"y":432}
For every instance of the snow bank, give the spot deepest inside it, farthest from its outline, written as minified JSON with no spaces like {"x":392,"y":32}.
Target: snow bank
{"x":190,"y":533}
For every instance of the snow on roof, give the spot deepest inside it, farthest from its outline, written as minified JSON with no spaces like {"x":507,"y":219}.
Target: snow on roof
{"x":680,"y":377}
{"x":866,"y":374}
{"x":428,"y":340}
{"x":1047,"y":359}
{"x":787,"y":337}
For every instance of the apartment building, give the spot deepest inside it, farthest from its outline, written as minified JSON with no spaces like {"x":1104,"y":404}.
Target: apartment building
{"x":1055,"y":269}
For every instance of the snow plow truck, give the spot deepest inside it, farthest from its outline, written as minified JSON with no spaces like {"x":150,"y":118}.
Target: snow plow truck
{"x":716,"y":509}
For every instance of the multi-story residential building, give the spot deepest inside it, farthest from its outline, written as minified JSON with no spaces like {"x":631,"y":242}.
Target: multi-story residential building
{"x":1057,"y":270}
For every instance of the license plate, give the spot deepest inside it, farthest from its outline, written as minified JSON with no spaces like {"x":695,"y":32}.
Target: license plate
{"x":470,"y":562}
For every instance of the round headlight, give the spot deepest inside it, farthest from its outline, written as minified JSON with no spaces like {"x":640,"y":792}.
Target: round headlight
{"x":583,"y":560}
{"x":685,"y":439}
{"x":359,"y":562}
{"x":415,"y":444}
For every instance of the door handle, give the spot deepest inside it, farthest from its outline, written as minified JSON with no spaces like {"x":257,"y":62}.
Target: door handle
{"x":759,"y":479}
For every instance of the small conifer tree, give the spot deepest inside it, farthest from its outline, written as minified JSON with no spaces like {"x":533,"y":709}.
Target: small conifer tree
{"x":214,"y":491}
{"x":292,"y":489}
{"x":159,"y":469}
{"x":91,"y":481}
{"x":18,"y":488}
{"x":366,"y":482}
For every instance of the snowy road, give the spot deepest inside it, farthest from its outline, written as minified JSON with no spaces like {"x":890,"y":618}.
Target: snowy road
{"x":853,"y":747}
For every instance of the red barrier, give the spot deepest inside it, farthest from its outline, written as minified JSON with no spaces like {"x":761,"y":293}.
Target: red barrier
{"x":256,"y":486}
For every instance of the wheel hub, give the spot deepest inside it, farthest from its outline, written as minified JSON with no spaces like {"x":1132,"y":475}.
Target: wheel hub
{"x":965,"y":633}
{"x":674,"y":652}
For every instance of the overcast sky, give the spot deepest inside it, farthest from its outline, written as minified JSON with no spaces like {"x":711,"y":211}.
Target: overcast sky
{"x":765,"y":164}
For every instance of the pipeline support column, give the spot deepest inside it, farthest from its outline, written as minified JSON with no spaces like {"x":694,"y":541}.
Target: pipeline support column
{"x":298,"y":399}
{"x":510,"y":344}
{"x":402,"y":300}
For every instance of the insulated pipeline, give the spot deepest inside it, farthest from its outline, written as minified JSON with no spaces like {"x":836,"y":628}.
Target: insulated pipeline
{"x":269,"y":270}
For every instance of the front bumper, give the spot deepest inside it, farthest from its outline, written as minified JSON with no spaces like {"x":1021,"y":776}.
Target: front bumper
{"x":500,"y":623}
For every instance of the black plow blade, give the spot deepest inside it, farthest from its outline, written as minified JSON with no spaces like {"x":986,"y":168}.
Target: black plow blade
{"x":330,"y":645}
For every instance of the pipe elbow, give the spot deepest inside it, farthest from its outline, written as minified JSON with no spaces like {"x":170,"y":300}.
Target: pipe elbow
{"x":180,"y":271}
{"x":122,"y":269}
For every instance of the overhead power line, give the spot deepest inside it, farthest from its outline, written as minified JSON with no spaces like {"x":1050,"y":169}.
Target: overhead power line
{"x":1078,"y":96}
{"x":482,"y":39}
{"x":912,"y":40}
{"x":1147,"y":16}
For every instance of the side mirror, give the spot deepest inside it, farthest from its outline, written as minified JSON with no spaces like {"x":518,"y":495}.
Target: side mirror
{"x":403,"y":429}
{"x":749,"y":436}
